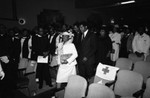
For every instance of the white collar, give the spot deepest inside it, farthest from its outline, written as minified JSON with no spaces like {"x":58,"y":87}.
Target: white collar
{"x":38,"y":35}
{"x":85,"y":33}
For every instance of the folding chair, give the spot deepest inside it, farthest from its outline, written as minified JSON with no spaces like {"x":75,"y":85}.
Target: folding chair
{"x":99,"y":91}
{"x":147,"y":90}
{"x":76,"y":87}
{"x":23,"y":82}
{"x":148,"y":58}
{"x":124,"y":63}
{"x":105,"y":74}
{"x":143,"y":68}
{"x":128,"y":83}
{"x":135,"y":58}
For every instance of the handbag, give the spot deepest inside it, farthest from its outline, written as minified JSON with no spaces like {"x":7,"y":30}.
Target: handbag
{"x":65,"y":57}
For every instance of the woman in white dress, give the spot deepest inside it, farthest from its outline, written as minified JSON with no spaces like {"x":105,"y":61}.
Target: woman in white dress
{"x":67,"y":55}
{"x":116,"y":41}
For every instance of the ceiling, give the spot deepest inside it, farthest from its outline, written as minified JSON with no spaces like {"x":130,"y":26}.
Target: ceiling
{"x":136,"y":13}
{"x":104,"y":3}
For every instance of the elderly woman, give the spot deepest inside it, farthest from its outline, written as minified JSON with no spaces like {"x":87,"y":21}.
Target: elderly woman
{"x":67,"y":55}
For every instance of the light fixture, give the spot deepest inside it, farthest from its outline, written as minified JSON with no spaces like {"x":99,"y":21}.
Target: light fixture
{"x":127,"y":2}
{"x":21,"y":21}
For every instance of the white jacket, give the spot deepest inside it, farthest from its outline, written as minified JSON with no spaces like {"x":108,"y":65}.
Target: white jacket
{"x":65,"y":70}
{"x":141,"y":43}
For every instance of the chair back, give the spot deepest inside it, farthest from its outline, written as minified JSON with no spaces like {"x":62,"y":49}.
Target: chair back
{"x":135,"y":58}
{"x":147,"y":90}
{"x":99,"y":91}
{"x":76,"y":87}
{"x":128,"y":83}
{"x":105,"y":73}
{"x":124,"y":63}
{"x":143,"y":68}
{"x":23,"y":82}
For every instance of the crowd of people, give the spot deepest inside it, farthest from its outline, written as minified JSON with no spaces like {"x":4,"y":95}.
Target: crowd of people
{"x":79,"y":49}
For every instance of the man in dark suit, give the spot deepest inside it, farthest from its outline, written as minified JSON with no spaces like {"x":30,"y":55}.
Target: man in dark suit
{"x":41,"y":47}
{"x":7,"y":85}
{"x":87,"y":52}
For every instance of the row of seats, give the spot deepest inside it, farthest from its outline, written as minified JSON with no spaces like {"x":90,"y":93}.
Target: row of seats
{"x":139,"y":65}
{"x":128,"y":84}
{"x":135,"y":58}
{"x":127,"y":63}
{"x":142,"y":67}
{"x":131,"y":81}
{"x":131,"y":78}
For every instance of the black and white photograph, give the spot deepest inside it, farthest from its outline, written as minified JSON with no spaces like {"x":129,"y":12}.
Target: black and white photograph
{"x":74,"y":49}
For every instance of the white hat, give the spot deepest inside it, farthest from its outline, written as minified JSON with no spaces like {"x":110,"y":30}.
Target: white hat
{"x":67,"y":33}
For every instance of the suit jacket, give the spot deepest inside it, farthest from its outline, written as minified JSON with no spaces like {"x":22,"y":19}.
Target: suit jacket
{"x":14,"y":48}
{"x":39,"y":45}
{"x":25,"y":48}
{"x":77,"y":41}
{"x":4,"y":46}
{"x":88,"y":48}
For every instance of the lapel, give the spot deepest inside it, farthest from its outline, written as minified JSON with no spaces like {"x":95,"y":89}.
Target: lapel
{"x":87,"y":36}
{"x":54,"y":38}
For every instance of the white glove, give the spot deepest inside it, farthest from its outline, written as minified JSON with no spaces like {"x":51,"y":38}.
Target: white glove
{"x":33,"y":63}
{"x":4,"y":59}
{"x":2,"y":75}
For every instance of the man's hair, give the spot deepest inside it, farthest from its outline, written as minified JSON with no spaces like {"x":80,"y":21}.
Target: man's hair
{"x":76,"y":24}
{"x":84,"y":23}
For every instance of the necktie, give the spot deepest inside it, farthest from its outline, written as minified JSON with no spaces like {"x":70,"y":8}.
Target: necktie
{"x":83,"y":36}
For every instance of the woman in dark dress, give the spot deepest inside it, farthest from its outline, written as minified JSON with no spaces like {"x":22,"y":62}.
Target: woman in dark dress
{"x":104,"y":46}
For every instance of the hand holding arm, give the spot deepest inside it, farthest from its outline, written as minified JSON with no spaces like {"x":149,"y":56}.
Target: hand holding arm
{"x":64,"y":62}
